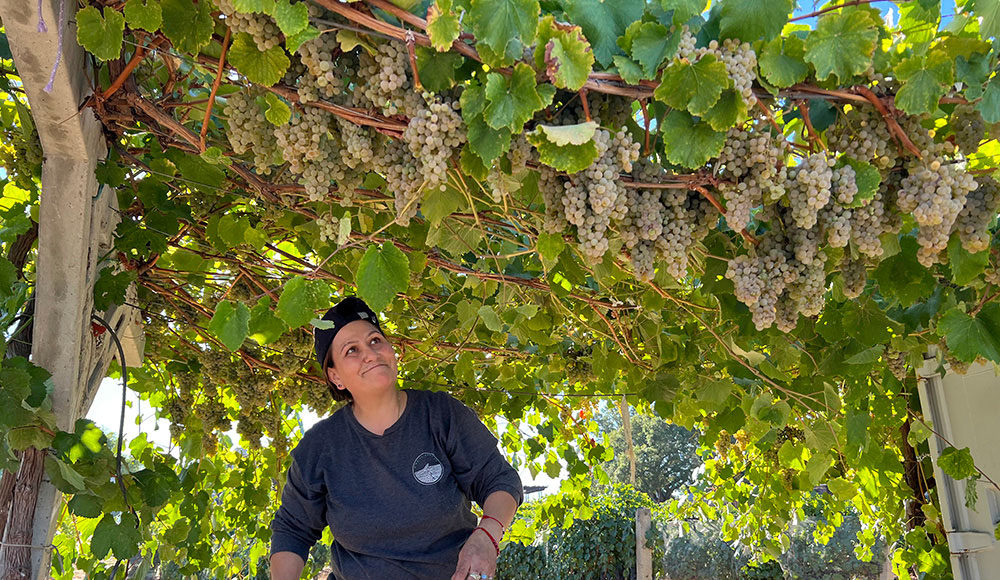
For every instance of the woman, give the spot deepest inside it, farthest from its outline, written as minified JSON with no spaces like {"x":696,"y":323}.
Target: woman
{"x":392,"y":472}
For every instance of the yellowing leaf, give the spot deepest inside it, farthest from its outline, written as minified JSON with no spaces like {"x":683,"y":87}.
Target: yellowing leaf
{"x":443,"y":26}
{"x":569,"y":134}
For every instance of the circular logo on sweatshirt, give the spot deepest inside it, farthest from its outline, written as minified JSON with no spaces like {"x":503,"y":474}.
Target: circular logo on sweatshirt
{"x":427,"y":469}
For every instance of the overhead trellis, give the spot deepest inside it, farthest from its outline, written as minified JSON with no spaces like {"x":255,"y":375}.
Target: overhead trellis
{"x":751,"y":223}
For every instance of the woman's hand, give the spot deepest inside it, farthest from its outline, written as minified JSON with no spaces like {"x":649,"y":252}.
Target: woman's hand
{"x":478,"y":556}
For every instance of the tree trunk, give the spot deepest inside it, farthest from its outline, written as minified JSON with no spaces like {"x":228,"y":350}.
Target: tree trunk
{"x":6,"y":496}
{"x":911,"y":475}
{"x":15,"y":561}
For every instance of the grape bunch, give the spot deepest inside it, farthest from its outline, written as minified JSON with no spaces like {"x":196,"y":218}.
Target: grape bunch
{"x":935,"y":193}
{"x":808,"y":187}
{"x":970,"y":128}
{"x":855,"y":274}
{"x":402,"y":175}
{"x":738,"y":57}
{"x":861,"y":133}
{"x":21,"y":154}
{"x":329,"y":227}
{"x":325,"y":73}
{"x":433,"y":136}
{"x":383,"y":81}
{"x":250,"y":131}
{"x":313,"y":152}
{"x":750,"y":162}
{"x":261,"y":27}
{"x":973,"y":222}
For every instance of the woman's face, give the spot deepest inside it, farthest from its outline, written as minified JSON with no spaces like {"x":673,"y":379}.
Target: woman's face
{"x":362,"y":359}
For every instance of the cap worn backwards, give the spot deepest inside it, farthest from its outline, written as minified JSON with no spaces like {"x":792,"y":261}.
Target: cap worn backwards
{"x":346,"y":311}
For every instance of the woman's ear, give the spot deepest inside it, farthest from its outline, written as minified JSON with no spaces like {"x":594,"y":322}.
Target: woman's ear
{"x":334,"y":377}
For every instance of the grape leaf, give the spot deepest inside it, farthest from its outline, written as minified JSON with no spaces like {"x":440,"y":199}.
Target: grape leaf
{"x":86,"y":506}
{"x":437,"y":69}
{"x":265,"y":68}
{"x":440,"y":204}
{"x":684,"y":9}
{"x":443,"y":25}
{"x":969,"y":337}
{"x":291,"y":18}
{"x":383,"y":272}
{"x":750,"y":20}
{"x":629,"y":70}
{"x":264,"y":327}
{"x":902,"y":277}
{"x":688,"y":142}
{"x":300,"y":300}
{"x":866,"y":177}
{"x":278,"y":112}
{"x":925,"y":80}
{"x":729,"y":110}
{"x":230,"y":323}
{"x":187,"y":25}
{"x":144,"y":14}
{"x":293,"y":42}
{"x":569,"y":158}
{"x":511,"y":102}
{"x":990,"y":105}
{"x":569,"y":134}
{"x":651,"y":43}
{"x":693,"y":86}
{"x":110,"y":288}
{"x":490,"y":318}
{"x":504,"y":26}
{"x":957,"y":463}
{"x":603,"y":22}
{"x":782,"y":61}
{"x":919,"y":22}
{"x":485,"y":141}
{"x":120,"y":538}
{"x":965,"y":266}
{"x":568,"y":59}
{"x":989,"y":11}
{"x":842,"y":44}
{"x":842,"y":489}
{"x":101,"y":35}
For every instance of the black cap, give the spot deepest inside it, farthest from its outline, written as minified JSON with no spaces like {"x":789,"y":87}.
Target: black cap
{"x":346,"y":311}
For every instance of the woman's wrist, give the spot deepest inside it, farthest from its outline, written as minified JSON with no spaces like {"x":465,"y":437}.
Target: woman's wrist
{"x":494,"y":526}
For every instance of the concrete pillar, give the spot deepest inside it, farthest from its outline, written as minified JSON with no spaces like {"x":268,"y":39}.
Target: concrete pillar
{"x":643,"y":555}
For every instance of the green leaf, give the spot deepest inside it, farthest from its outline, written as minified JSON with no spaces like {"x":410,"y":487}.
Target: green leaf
{"x":101,"y":35}
{"x":684,"y":9}
{"x":549,"y":247}
{"x":86,"y":506}
{"x":842,"y":44}
{"x":265,"y":68}
{"x":603,"y":22}
{"x":957,"y":463}
{"x":437,"y":69}
{"x":291,"y":18}
{"x":505,"y":26}
{"x":729,"y":110}
{"x":750,"y":20}
{"x":300,"y":300}
{"x":264,"y":327}
{"x":902,"y":277}
{"x":230,"y":323}
{"x":293,"y":42}
{"x":842,"y":489}
{"x":486,"y":142}
{"x":70,"y":480}
{"x":965,"y":266}
{"x":688,"y":142}
{"x":569,"y":59}
{"x":867,"y":178}
{"x":990,"y":105}
{"x":693,"y":86}
{"x":919,"y":432}
{"x":512,"y":101}
{"x":144,"y":14}
{"x":110,"y":288}
{"x":120,"y":538}
{"x":278,"y":112}
{"x":443,"y":25}
{"x":490,"y":318}
{"x":629,"y":70}
{"x":792,"y":455}
{"x":561,"y":135}
{"x":919,"y":22}
{"x":866,"y":356}
{"x":970,"y":337}
{"x":569,"y":158}
{"x":440,"y":204}
{"x":989,"y":11}
{"x":651,"y":44}
{"x":925,"y":80}
{"x":817,"y":467}
{"x":187,"y":25}
{"x":782,"y":61}
{"x":383,"y":272}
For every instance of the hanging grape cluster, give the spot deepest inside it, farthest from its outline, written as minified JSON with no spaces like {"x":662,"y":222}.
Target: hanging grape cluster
{"x":751,"y":165}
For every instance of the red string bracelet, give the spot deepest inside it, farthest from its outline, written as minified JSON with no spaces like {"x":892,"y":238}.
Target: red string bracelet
{"x":496,"y":546}
{"x":503,"y":528}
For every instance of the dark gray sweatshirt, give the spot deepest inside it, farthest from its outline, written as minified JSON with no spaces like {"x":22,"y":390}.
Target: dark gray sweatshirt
{"x":398,"y":504}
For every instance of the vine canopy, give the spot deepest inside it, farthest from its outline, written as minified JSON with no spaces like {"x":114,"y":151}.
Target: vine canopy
{"x":745,"y":218}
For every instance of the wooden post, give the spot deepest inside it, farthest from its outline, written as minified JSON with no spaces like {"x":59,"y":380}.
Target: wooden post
{"x":643,"y":555}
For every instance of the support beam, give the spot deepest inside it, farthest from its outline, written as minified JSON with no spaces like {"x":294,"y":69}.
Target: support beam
{"x":963,"y":410}
{"x":76,"y":220}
